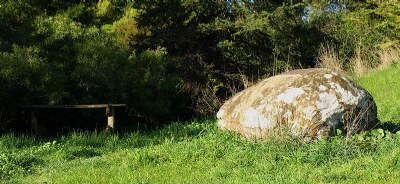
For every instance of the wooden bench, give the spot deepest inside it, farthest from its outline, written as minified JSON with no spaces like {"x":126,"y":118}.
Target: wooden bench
{"x":110,"y":113}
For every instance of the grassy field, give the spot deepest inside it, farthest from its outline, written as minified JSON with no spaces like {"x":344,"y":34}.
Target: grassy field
{"x":197,"y":152}
{"x":384,"y":86}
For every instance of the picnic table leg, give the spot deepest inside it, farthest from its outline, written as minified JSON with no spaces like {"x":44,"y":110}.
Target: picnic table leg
{"x":34,"y":122}
{"x":110,"y":117}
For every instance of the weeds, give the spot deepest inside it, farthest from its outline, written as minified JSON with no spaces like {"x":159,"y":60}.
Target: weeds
{"x":357,"y":119}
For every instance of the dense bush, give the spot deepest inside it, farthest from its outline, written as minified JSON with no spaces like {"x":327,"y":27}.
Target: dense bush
{"x":72,"y":63}
{"x":361,"y":30}
{"x":174,"y":59}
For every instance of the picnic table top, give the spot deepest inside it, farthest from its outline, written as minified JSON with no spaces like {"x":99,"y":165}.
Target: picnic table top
{"x":72,"y":106}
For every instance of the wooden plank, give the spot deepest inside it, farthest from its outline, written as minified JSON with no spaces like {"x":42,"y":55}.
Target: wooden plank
{"x":72,"y":106}
{"x":110,"y":113}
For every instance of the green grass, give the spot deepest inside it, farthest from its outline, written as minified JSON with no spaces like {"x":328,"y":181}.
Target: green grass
{"x":197,"y":152}
{"x":194,"y":153}
{"x":384,"y":86}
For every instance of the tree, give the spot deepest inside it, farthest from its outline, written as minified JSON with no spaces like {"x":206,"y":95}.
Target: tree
{"x":220,"y":46}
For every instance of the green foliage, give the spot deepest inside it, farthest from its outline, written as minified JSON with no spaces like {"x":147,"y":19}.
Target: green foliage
{"x":99,"y":69}
{"x":124,"y":28}
{"x":361,"y":28}
{"x":23,"y":78}
{"x":174,"y":25}
{"x":273,"y":38}
{"x":73,"y":63}
{"x":151,"y":88}
{"x":222,"y":48}
{"x":15,"y":18}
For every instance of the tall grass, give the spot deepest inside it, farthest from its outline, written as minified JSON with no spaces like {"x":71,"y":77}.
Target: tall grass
{"x":360,"y":63}
{"x":329,"y":58}
{"x":387,"y":56}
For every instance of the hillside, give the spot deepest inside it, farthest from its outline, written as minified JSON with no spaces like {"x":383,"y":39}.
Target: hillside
{"x":197,"y":152}
{"x":385,"y":88}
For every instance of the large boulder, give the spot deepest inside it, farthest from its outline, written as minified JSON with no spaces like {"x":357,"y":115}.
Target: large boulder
{"x":310,"y":103}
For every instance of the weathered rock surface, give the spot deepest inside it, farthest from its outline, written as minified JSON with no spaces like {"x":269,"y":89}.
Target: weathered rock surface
{"x":310,"y":103}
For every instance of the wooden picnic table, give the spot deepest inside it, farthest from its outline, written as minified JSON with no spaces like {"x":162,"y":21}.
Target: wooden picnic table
{"x":110,"y":112}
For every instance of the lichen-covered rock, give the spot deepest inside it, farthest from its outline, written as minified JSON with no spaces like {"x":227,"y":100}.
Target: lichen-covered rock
{"x":310,"y":103}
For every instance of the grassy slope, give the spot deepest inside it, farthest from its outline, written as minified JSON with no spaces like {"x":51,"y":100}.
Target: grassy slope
{"x":199,"y":153}
{"x":384,"y":86}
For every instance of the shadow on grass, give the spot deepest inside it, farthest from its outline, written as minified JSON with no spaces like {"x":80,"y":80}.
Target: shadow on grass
{"x":390,"y":126}
{"x":84,"y":153}
{"x":175,"y":132}
{"x":17,"y":163}
{"x":72,"y":153}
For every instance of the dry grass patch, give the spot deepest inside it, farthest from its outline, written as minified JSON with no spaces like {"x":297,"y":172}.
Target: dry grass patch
{"x":329,"y":58}
{"x":388,"y":56}
{"x":361,"y":62}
